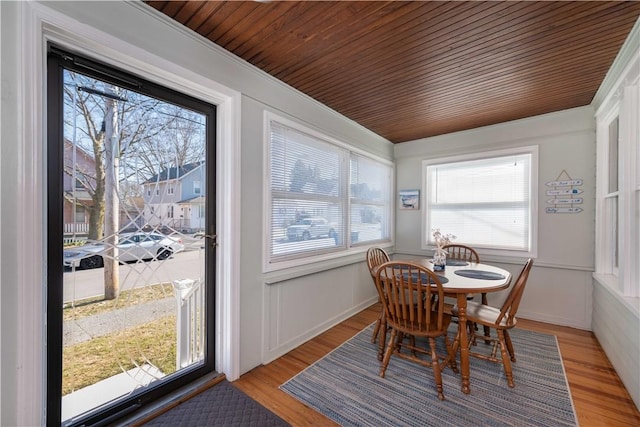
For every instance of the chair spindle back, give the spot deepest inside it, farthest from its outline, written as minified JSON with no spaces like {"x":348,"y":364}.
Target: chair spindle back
{"x":461,"y":252}
{"x":376,"y":257}
{"x":511,"y":304}
{"x":410,"y":304}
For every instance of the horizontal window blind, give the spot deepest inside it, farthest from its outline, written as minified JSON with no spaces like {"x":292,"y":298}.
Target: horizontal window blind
{"x":370,"y":188}
{"x":308,"y":186}
{"x":483,"y":202}
{"x":323,"y":197}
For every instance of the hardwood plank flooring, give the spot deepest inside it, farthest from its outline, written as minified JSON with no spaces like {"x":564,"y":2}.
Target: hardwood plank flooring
{"x":599,"y":396}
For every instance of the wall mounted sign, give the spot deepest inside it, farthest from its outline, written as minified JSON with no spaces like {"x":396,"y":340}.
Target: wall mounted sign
{"x":563,"y":192}
{"x":564,"y":183}
{"x":564,"y":210}
{"x":564,"y":204}
{"x":577,"y":200}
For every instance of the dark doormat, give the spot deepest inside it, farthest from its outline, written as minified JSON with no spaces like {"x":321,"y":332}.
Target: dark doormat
{"x":221,"y":405}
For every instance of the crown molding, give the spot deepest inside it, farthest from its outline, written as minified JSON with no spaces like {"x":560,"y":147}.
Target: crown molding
{"x":628,"y":55}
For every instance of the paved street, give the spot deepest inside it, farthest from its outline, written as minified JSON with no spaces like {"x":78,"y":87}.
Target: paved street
{"x":83,"y":284}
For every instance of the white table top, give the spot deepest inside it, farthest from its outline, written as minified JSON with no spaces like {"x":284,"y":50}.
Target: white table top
{"x":461,"y":284}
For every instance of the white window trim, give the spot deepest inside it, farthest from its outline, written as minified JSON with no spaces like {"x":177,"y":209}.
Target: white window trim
{"x":267,"y":266}
{"x":619,"y":95}
{"x":625,"y":279}
{"x":629,"y":248}
{"x":533,"y":232}
{"x":604,"y":241}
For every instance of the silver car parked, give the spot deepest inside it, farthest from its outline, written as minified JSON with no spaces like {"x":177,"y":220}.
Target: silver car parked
{"x":310,"y":228}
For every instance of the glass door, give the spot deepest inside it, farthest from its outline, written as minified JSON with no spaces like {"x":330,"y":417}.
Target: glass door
{"x":131,"y":240}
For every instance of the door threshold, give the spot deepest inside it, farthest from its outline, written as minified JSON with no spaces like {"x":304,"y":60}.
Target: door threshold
{"x":171,"y":400}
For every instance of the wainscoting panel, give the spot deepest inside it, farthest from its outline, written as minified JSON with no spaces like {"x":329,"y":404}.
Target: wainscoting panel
{"x":616,"y":326}
{"x":299,"y":309}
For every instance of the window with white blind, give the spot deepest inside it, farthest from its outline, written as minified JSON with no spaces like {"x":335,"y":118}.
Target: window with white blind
{"x":370,"y":199}
{"x":487,"y":201}
{"x":611,"y":203}
{"x":324,"y":198}
{"x":618,"y":193}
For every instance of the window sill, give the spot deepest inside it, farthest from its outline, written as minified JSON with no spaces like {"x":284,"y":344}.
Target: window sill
{"x":344,"y":259}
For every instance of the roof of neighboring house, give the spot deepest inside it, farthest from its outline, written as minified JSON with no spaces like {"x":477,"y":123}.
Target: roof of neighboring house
{"x":79,"y":195}
{"x":173,"y":172}
{"x":68,"y":150}
{"x":196,"y":199}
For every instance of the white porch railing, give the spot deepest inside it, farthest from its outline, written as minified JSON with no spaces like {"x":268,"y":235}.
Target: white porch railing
{"x":78,"y":227}
{"x":190,"y":327}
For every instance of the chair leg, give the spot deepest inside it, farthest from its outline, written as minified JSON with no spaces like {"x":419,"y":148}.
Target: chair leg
{"x":387,"y":353}
{"x":487,"y":330}
{"x":456,"y":342}
{"x":451,"y":353}
{"x":471,"y":336}
{"x":487,"y":334}
{"x":435,"y":365}
{"x":507,"y":339}
{"x":383,"y":336}
{"x":412,"y":343}
{"x":472,"y":327}
{"x":376,"y":329}
{"x":399,"y":341}
{"x":505,"y":358}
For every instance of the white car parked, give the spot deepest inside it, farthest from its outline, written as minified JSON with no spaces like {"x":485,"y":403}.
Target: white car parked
{"x":132,"y":247}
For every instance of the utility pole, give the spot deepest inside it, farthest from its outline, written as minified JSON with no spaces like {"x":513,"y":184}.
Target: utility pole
{"x":112,"y":203}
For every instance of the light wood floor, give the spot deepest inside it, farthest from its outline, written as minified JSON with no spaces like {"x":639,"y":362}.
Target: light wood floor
{"x":599,"y":397}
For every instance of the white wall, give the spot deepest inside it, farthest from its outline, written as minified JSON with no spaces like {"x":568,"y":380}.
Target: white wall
{"x":272,"y":318}
{"x":281,"y":310}
{"x":559,"y":287}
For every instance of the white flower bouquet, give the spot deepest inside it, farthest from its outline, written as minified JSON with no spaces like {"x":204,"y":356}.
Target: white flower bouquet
{"x":440,"y":255}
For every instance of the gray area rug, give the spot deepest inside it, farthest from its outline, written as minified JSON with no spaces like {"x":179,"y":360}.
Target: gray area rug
{"x":221,"y":405}
{"x":345,"y":387}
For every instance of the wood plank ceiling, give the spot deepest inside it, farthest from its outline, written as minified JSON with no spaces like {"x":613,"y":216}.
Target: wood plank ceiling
{"x":413,"y":69}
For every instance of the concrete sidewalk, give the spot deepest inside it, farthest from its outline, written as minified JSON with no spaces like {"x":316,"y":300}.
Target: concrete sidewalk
{"x":87,"y":328}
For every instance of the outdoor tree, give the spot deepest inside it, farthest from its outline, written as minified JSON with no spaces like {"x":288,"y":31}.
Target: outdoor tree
{"x":301,"y":175}
{"x":129,"y":137}
{"x":179,"y":142}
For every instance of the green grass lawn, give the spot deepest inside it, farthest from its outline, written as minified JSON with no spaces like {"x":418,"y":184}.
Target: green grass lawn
{"x":92,"y":306}
{"x":91,"y":361}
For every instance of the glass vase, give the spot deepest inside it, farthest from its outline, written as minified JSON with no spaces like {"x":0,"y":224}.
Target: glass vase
{"x":439,"y":260}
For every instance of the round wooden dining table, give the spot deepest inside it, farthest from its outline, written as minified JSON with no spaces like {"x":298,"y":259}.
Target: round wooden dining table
{"x":465,"y":278}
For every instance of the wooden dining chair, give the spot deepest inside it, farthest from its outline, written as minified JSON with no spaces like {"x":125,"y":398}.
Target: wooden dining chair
{"x":501,"y":319}
{"x":376,"y":257}
{"x":462,"y":252}
{"x":413,"y":308}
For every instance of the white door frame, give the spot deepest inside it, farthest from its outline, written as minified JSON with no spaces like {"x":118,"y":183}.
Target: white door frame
{"x":38,"y":26}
